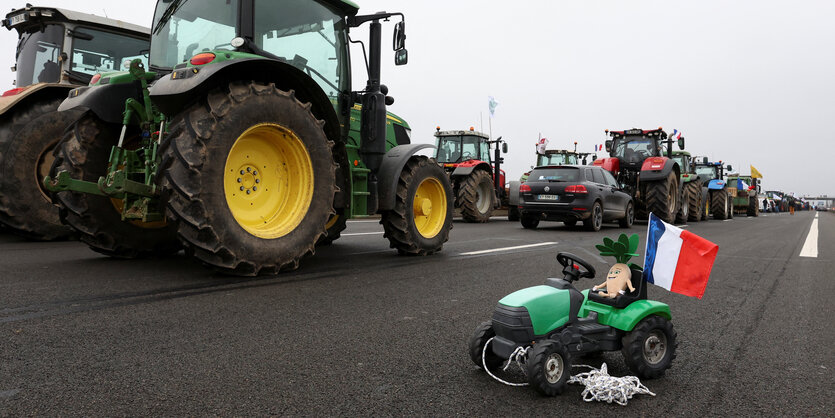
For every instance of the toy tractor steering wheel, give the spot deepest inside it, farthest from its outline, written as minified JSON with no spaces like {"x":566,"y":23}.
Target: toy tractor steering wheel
{"x":568,"y":260}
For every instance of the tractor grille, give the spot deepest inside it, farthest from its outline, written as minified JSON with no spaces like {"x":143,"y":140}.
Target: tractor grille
{"x":513,"y":324}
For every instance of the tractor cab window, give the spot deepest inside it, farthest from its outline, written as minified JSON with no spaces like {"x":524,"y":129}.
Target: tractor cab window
{"x":455,"y":149}
{"x":308,"y":36}
{"x":557,"y":159}
{"x":184,"y":28}
{"x":683,"y":162}
{"x":635,"y":148}
{"x":708,"y":171}
{"x":95,"y":51}
{"x":38,"y":54}
{"x":555,"y":174}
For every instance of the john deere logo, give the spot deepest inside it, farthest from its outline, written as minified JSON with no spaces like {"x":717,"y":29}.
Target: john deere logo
{"x":547,"y":189}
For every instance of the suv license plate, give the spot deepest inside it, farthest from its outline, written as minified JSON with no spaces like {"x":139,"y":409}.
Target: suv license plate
{"x":548,"y":197}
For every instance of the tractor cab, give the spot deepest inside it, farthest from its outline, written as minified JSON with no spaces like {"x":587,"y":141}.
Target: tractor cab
{"x":557,"y":157}
{"x":454,"y":147}
{"x":633,"y":146}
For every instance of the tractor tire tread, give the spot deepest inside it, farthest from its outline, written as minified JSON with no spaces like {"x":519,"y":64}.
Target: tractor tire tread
{"x":467,"y":198}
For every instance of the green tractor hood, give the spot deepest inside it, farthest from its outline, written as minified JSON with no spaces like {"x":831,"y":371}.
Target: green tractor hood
{"x":548,"y":306}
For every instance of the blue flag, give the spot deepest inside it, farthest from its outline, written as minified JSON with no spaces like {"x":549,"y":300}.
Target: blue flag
{"x":491,"y":105}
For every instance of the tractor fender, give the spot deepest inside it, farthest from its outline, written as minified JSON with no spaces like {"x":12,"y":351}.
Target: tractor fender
{"x":467,"y":170}
{"x":174,"y":92}
{"x":513,"y":193}
{"x":716,"y":184}
{"x":625,"y":319}
{"x":393,"y":163}
{"x":107,"y":101}
{"x":649,"y":172}
{"x":35,"y":92}
{"x":611,"y":165}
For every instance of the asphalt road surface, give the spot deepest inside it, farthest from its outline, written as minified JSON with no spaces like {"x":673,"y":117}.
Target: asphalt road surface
{"x":359,"y":330}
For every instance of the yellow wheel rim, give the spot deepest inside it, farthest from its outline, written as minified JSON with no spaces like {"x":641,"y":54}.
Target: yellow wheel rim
{"x":268,"y":180}
{"x":430,"y":207}
{"x":332,"y":221}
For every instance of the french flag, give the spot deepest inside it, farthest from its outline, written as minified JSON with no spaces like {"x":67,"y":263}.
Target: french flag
{"x":677,"y":260}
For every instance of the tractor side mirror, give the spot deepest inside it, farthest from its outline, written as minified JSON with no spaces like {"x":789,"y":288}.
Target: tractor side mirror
{"x":401,"y":57}
{"x":729,"y":168}
{"x":681,"y":143}
{"x":608,"y":145}
{"x":399,"y":36}
{"x":704,"y":160}
{"x":504,"y":147}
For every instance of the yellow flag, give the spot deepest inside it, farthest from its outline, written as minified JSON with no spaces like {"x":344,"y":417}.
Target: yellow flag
{"x":755,"y":174}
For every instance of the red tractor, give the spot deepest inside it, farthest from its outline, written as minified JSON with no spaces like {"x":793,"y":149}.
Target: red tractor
{"x":641,"y":161}
{"x":478,"y":183}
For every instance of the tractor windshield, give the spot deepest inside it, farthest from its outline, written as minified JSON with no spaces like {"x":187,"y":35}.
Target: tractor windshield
{"x":455,"y":149}
{"x":557,"y":159}
{"x":183,"y":28}
{"x":635,"y":148}
{"x":38,"y":55}
{"x":95,"y":51}
{"x":707,"y":171}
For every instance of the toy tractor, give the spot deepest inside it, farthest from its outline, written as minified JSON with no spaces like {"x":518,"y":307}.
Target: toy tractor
{"x":249,"y":147}
{"x":712,"y":175}
{"x":694,"y":198}
{"x":478,"y":183}
{"x":638,"y":161}
{"x":554,"y":323}
{"x":57,"y":51}
{"x":746,"y":191}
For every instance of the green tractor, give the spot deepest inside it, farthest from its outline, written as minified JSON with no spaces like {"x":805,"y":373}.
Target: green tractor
{"x":559,"y":157}
{"x":744,"y":191}
{"x":694,"y":196}
{"x":57,"y":50}
{"x":245,"y":143}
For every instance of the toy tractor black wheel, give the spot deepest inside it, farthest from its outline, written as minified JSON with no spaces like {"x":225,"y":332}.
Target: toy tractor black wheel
{"x":421,"y":219}
{"x":529,"y":222}
{"x":595,"y":220}
{"x":629,"y":217}
{"x":84,"y":153}
{"x":25,"y":205}
{"x":483,"y":333}
{"x":549,"y":367}
{"x":248,"y":175}
{"x":650,"y":348}
{"x":753,"y":207}
{"x":336,"y":224}
{"x":475,"y":197}
{"x":513,"y":214}
{"x":694,"y":190}
{"x":719,"y":204}
{"x":662,"y":198}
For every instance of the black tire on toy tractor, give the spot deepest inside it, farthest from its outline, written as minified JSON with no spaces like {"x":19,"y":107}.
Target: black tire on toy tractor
{"x":595,"y":220}
{"x":753,"y":207}
{"x":400,"y":224}
{"x":84,"y":153}
{"x":661,"y":197}
{"x":25,"y":205}
{"x":513,"y":214}
{"x":650,"y":348}
{"x":529,"y":222}
{"x":629,"y":217}
{"x":336,"y":224}
{"x":719,"y":204}
{"x":695,"y":201}
{"x":476,"y":197}
{"x":483,"y":333}
{"x":549,"y":367}
{"x":245,"y":125}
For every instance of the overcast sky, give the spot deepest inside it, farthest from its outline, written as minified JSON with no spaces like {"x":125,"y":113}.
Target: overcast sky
{"x":747,"y":82}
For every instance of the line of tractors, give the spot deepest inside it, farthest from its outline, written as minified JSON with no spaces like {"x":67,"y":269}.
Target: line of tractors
{"x":241,"y":140}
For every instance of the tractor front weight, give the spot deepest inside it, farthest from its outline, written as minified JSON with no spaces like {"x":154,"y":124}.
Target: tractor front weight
{"x":131,"y":173}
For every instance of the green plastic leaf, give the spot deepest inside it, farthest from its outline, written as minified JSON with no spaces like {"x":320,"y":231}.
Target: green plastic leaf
{"x":623,"y":239}
{"x":619,"y":248}
{"x":608,"y":242}
{"x":633,"y":243}
{"x":602,"y":248}
{"x":607,"y":254}
{"x":635,"y":267}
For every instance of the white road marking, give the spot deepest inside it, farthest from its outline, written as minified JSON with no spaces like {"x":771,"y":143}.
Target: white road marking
{"x":362,"y":233}
{"x":495,"y":250}
{"x":810,"y":247}
{"x":727,"y":220}
{"x":682,"y":226}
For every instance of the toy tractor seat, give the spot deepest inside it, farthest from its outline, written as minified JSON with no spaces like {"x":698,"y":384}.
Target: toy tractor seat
{"x":622,"y":301}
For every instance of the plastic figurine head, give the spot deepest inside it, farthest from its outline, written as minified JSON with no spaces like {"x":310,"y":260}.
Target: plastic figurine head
{"x":619,"y":272}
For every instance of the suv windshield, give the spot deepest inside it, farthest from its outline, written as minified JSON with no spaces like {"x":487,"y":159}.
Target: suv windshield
{"x":37,"y":56}
{"x":557,"y":159}
{"x":183,"y":28}
{"x":95,"y":51}
{"x":454,"y":149}
{"x":635,"y":148}
{"x":554,"y":174}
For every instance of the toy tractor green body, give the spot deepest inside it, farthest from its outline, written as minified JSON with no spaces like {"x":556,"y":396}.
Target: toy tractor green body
{"x":57,"y":51}
{"x":247,"y":146}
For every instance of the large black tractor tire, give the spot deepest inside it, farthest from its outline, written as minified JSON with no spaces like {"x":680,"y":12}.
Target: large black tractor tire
{"x":753,"y":207}
{"x":683,"y":212}
{"x":629,"y":216}
{"x":694,"y":190}
{"x":513,"y":214}
{"x":661,"y":197}
{"x":249,"y":179}
{"x":731,"y":207}
{"x":650,"y":348}
{"x":25,"y":206}
{"x":84,"y":153}
{"x":423,"y":186}
{"x":719,"y":204}
{"x":595,"y":220}
{"x":336,"y":224}
{"x":476,"y":197}
{"x":483,"y":333}
{"x":529,"y":222}
{"x":549,"y":367}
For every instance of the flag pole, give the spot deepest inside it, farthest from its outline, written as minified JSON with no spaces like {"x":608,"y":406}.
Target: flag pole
{"x":490,"y":125}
